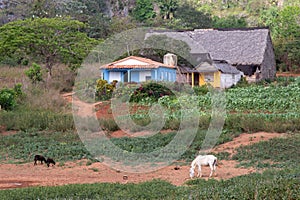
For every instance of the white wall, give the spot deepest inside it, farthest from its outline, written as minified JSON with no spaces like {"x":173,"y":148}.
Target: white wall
{"x":143,"y":75}
{"x":132,"y":62}
{"x":228,"y":80}
{"x":114,"y":76}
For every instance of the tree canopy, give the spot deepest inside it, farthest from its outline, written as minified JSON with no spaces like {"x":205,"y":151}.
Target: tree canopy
{"x":45,"y":40}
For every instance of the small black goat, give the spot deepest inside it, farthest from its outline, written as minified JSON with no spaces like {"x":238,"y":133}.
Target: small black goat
{"x":39,"y":158}
{"x":50,"y":161}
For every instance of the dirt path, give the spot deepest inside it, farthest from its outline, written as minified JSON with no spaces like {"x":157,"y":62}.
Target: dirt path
{"x":24,"y":175}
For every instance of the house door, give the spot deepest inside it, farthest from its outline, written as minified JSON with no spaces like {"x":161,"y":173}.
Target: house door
{"x":196,"y":79}
{"x":125,"y":75}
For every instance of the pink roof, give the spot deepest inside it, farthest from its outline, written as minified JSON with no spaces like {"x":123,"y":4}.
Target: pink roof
{"x":143,"y":63}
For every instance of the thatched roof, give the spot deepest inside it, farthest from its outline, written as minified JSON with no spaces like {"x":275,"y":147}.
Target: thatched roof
{"x":183,"y":36}
{"x":135,"y":62}
{"x":206,"y":67}
{"x":226,"y":68}
{"x":236,"y":46}
{"x":222,"y":66}
{"x":185,"y":70}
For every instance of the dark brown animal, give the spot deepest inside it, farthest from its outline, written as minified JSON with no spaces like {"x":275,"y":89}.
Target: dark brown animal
{"x":39,"y":158}
{"x":50,"y":161}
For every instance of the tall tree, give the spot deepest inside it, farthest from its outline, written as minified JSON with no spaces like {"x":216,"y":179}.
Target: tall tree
{"x":46,"y":40}
{"x":287,"y":43}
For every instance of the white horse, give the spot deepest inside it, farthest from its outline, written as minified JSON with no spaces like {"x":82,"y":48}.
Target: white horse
{"x":210,"y":160}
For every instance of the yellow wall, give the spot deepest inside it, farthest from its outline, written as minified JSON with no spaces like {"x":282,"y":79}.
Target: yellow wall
{"x":215,"y":83}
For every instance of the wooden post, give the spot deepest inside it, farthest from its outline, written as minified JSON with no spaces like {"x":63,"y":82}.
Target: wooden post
{"x":187,"y":78}
{"x":193,"y":79}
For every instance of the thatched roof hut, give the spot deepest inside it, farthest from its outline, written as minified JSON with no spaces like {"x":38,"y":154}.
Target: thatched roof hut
{"x":249,"y":49}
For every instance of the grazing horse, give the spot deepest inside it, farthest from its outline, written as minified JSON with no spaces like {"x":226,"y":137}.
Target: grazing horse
{"x":50,"y":160}
{"x":203,"y":160}
{"x":39,"y":158}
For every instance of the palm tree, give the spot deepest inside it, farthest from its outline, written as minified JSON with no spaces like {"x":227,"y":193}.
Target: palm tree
{"x":167,"y":8}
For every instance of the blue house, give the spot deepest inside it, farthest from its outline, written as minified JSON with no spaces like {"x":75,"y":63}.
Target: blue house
{"x":138,"y":69}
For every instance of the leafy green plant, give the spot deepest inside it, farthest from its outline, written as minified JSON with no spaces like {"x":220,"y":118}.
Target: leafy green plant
{"x":34,"y":73}
{"x":7,"y":99}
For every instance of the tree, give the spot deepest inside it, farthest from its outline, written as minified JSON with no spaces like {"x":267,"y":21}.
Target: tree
{"x":287,"y":42}
{"x":167,"y":8}
{"x":269,"y":18}
{"x":191,"y":18}
{"x":229,"y":22}
{"x":143,"y":10}
{"x":46,"y":40}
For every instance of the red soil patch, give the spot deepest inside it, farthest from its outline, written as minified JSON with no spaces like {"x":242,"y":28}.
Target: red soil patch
{"x":245,"y":139}
{"x":24,"y":175}
{"x":287,"y":74}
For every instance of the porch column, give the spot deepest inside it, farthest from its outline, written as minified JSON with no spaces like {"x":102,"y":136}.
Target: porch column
{"x":106,"y":75}
{"x":199,"y":79}
{"x":187,"y":77}
{"x":128,"y":73}
{"x":193,"y":79}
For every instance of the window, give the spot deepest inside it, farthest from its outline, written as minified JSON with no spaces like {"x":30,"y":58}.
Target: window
{"x":209,"y":77}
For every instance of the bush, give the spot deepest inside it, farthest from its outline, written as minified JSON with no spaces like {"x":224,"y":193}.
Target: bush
{"x":201,"y":90}
{"x":9,"y":97}
{"x":151,"y":90}
{"x":104,"y":90}
{"x":34,"y":73}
